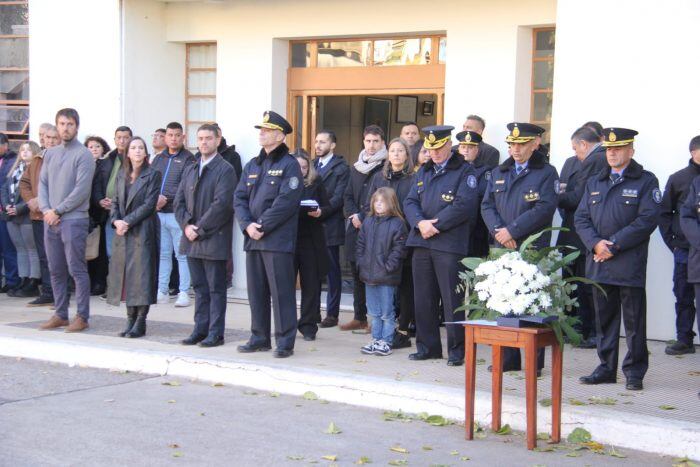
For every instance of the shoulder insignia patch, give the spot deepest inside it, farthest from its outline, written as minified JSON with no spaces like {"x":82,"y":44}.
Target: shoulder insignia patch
{"x":471,"y":181}
{"x":656,"y":195}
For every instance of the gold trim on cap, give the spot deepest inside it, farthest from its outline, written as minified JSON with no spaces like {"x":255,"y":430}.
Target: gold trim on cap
{"x":516,"y":132}
{"x":613,"y":144}
{"x":612,"y":137}
{"x":270,"y":126}
{"x":266,"y":117}
{"x":431,"y":143}
{"x":520,"y":140}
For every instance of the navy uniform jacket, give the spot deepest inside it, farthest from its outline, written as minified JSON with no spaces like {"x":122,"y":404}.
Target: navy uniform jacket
{"x":480,"y":235}
{"x":269,"y":193}
{"x":690,"y":223}
{"x":676,"y":191}
{"x":524,"y":204}
{"x":571,"y":192}
{"x":625,"y":213}
{"x":450,"y":196}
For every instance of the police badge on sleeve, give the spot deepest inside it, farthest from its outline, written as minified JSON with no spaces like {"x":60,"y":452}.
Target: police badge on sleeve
{"x":471,"y":181}
{"x":656,"y":195}
{"x":293,"y":183}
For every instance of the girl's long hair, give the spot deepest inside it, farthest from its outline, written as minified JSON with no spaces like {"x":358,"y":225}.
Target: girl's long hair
{"x":393,"y":208}
{"x":36,"y":150}
{"x":311,"y":174}
{"x":126,"y":164}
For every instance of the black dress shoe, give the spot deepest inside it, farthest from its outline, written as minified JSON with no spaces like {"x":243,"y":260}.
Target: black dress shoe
{"x":250,"y":348}
{"x":418,"y":356}
{"x":309,"y":337}
{"x":401,"y":341}
{"x":589,"y":343}
{"x":455,"y":362}
{"x":679,"y":348}
{"x":212,"y":342}
{"x":634,"y":385}
{"x":328,"y":322}
{"x":282,"y":353}
{"x":598,"y":378}
{"x":193,"y":339}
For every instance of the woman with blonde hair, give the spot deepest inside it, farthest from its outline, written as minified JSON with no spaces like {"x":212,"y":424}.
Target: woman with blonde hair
{"x":19,"y":224}
{"x":311,"y":258}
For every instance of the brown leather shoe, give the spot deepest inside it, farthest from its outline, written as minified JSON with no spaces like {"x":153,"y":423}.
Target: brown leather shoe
{"x":78,"y":324}
{"x":53,"y":323}
{"x":353,"y":325}
{"x":328,"y":322}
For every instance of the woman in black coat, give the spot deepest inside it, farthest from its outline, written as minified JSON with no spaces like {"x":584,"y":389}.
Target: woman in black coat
{"x":311,"y":259}
{"x":398,"y":174}
{"x":98,"y":267}
{"x":133,"y":268}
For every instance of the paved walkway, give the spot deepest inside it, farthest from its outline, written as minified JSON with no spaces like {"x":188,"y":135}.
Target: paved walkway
{"x":670,"y":397}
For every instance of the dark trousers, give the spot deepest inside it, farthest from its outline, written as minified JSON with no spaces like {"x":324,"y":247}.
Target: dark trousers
{"x":584,"y":296}
{"x":685,"y":309}
{"x":359,"y":299}
{"x":38,"y":229}
{"x":407,"y":309}
{"x":8,"y":256}
{"x":99,"y":267}
{"x":174,"y":283}
{"x":633,"y":302}
{"x":209,"y":284}
{"x":697,"y":305}
{"x":436,"y":276}
{"x":270,"y":275}
{"x":335,"y":282}
{"x":306,"y":264}
{"x":65,"y":250}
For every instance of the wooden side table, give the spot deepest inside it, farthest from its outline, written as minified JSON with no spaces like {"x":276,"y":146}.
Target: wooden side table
{"x":529,"y":339}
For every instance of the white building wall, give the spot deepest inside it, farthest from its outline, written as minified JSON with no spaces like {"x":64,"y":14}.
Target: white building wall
{"x":632,"y":64}
{"x":75,"y":61}
{"x":640,"y":74}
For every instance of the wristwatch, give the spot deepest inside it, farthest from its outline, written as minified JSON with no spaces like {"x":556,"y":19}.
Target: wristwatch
{"x":58,"y":213}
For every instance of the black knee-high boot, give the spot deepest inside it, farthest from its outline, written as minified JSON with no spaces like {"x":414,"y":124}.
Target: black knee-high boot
{"x":131,"y":312}
{"x":139,"y":328}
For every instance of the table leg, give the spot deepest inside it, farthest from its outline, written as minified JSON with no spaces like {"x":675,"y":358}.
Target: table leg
{"x":496,"y":386}
{"x":470,"y":381}
{"x":531,"y":390}
{"x":557,"y":367}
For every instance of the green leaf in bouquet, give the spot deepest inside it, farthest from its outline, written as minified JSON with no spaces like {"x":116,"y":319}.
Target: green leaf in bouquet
{"x":534,"y":237}
{"x":570,"y":258}
{"x":472,"y":263}
{"x":585,"y":280}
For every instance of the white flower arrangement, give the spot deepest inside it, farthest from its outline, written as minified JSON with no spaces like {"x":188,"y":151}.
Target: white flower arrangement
{"x":511,"y":286}
{"x":521,"y":283}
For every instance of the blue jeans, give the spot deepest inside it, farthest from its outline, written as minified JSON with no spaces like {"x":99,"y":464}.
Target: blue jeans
{"x":380,"y":306}
{"x":170,"y":235}
{"x":110,"y":232}
{"x":8,"y":256}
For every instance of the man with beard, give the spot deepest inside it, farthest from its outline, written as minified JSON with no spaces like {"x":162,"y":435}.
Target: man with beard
{"x":334,"y":173}
{"x":411,"y":134}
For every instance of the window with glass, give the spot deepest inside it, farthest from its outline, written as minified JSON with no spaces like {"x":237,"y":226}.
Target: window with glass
{"x":14,"y":70}
{"x":368,"y":52}
{"x":542,"y":78}
{"x":200,"y":89}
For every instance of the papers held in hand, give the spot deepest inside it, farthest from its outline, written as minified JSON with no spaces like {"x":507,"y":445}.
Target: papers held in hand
{"x":308,"y":205}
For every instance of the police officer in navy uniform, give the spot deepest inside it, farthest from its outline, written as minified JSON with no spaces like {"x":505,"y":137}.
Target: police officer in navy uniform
{"x":675,"y":194}
{"x":266,"y":203}
{"x":690,"y":225}
{"x":470,"y":149}
{"x":441,"y":209}
{"x":520,"y":200}
{"x":617,"y":215}
{"x":589,"y":160}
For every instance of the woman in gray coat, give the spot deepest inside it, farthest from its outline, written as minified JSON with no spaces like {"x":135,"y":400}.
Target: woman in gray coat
{"x":133,"y":268}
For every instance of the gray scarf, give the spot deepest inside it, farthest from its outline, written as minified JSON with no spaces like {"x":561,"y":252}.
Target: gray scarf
{"x":373,"y":161}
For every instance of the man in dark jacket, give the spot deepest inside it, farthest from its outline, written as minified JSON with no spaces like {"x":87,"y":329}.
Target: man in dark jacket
{"x":8,"y":253}
{"x":103,"y":183}
{"x":369,"y":162}
{"x":520,"y":201}
{"x":490,"y":155}
{"x":203,"y":208}
{"x":334,"y":173}
{"x":690,"y":225}
{"x":675,"y":194}
{"x":441,"y":209}
{"x":267,"y":208}
{"x":171,"y":163}
{"x":617,"y":215}
{"x":589,"y":161}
